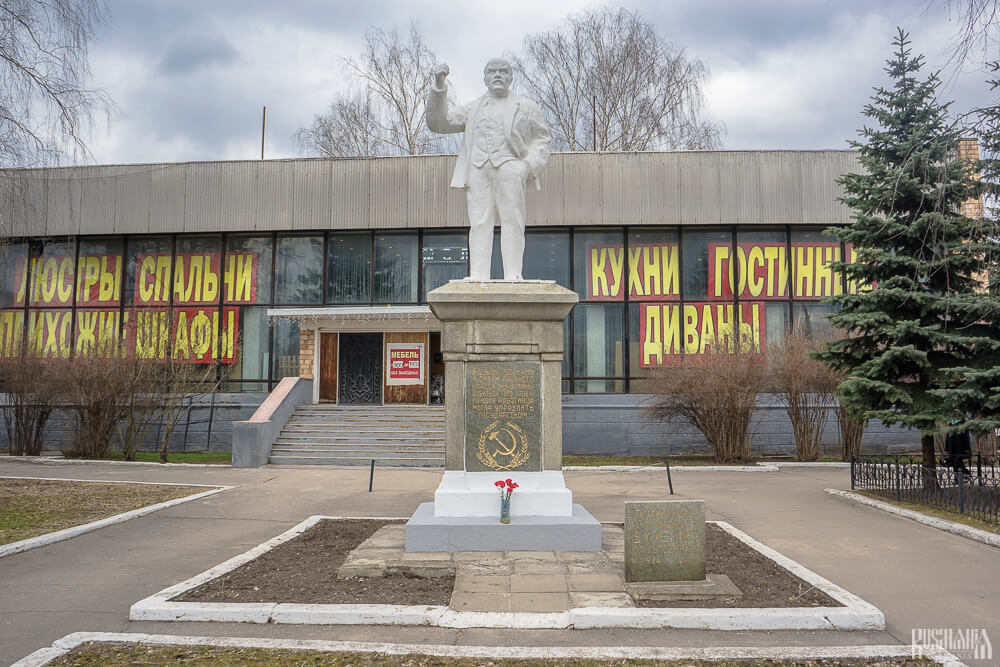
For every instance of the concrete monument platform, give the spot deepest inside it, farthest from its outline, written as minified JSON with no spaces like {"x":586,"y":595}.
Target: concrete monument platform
{"x":427,"y":532}
{"x":502,"y":344}
{"x":713,"y":586}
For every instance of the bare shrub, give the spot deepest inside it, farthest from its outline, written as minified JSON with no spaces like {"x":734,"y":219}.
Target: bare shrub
{"x":717,"y":394}
{"x":805,"y":386}
{"x":94,"y":389}
{"x":986,"y":446}
{"x":852,"y":430}
{"x":28,"y":399}
{"x":183,"y":383}
{"x":143,"y":381}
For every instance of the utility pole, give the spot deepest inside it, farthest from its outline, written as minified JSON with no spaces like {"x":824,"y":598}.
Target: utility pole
{"x":263,"y":130}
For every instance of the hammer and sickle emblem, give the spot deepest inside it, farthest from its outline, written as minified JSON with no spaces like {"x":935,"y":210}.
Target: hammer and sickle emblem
{"x":507,"y":442}
{"x":504,"y":450}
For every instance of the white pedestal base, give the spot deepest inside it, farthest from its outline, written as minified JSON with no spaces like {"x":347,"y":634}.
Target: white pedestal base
{"x":462,"y":494}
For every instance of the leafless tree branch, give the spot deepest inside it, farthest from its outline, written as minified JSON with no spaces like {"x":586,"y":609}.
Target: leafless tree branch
{"x":45,"y":105}
{"x":608,"y":82}
{"x":383,"y":114}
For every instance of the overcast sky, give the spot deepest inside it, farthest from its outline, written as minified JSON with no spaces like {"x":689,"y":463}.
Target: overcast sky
{"x":189,"y":77}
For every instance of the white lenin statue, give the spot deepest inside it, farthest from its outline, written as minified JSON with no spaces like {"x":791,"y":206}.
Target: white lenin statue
{"x":505,"y":147}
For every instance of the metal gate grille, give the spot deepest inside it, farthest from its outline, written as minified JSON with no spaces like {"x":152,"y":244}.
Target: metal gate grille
{"x":360,"y":374}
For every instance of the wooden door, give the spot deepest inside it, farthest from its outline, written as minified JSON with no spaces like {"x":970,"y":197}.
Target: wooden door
{"x":328,"y":367}
{"x":410,"y":393}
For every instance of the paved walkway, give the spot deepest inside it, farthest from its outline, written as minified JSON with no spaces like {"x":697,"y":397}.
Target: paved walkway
{"x":498,"y":581}
{"x":920,"y":577}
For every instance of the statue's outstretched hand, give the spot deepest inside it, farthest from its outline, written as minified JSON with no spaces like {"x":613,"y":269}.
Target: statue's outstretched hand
{"x":440,"y":73}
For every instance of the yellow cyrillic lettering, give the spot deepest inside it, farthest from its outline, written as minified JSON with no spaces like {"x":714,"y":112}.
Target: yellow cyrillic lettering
{"x":690,"y":328}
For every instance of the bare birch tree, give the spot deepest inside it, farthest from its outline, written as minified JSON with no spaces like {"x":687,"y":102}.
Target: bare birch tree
{"x":607,"y":81}
{"x":45,"y":104}
{"x":977,"y":36}
{"x":383,"y":112}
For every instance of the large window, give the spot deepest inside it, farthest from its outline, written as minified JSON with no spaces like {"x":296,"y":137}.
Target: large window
{"x":349,"y":268}
{"x":648,"y":295}
{"x":286,"y":348}
{"x":13,"y":275}
{"x":248,"y":269}
{"x":599,"y":265}
{"x":298,"y":275}
{"x":445,"y":257}
{"x":706,"y":273}
{"x":396,"y":268}
{"x":149,"y":274}
{"x":598,"y":346}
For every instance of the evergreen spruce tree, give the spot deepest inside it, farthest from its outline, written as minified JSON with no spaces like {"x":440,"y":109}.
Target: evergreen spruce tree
{"x":920,"y":254}
{"x":974,"y":389}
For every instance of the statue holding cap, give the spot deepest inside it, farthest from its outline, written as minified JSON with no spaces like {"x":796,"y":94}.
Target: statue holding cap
{"x":505,"y":147}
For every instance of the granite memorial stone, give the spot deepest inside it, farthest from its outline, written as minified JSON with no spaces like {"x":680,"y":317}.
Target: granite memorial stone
{"x":665,"y":541}
{"x":503,"y":416}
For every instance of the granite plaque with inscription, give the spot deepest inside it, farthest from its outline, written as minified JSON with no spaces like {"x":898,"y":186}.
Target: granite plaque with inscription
{"x":665,"y":541}
{"x":503,"y":416}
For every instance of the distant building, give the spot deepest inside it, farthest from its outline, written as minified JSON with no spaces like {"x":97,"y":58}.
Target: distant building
{"x":321,"y":268}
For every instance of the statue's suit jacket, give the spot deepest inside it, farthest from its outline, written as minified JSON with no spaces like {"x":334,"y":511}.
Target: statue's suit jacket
{"x":524,"y":127}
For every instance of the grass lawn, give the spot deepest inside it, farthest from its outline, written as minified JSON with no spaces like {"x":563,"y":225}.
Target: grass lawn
{"x":679,"y":460}
{"x":210,"y":458}
{"x":934,"y":512}
{"x":33,"y":507}
{"x":121,"y":655}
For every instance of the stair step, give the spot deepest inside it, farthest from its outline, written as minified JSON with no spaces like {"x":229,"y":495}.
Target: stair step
{"x":354,"y":435}
{"x":358,"y":453}
{"x":347,"y":446}
{"x":364,"y":435}
{"x":381,"y":427}
{"x":359,"y":461}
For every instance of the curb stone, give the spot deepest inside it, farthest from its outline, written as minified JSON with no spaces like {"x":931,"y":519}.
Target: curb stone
{"x":74,"y":531}
{"x":941,"y":524}
{"x":758,"y":467}
{"x":60,"y":460}
{"x":807,"y":464}
{"x":856,"y":614}
{"x":63,"y":646}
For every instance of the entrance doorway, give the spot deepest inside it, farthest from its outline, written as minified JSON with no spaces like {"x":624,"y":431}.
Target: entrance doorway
{"x":359,"y":378}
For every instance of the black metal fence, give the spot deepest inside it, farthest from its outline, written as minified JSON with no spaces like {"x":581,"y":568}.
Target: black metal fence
{"x":972,"y":488}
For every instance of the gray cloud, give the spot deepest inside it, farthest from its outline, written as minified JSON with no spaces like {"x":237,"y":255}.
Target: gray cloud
{"x":189,"y":77}
{"x":189,"y":54}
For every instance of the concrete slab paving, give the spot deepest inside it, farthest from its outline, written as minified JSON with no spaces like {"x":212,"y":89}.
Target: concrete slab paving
{"x":539,"y":601}
{"x":539,"y":583}
{"x":894,"y":563}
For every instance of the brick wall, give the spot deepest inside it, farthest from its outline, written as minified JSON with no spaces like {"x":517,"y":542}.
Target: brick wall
{"x":968,"y":151}
{"x":307,"y":348}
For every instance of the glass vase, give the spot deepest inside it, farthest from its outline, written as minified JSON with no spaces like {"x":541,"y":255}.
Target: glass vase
{"x":504,"y":510}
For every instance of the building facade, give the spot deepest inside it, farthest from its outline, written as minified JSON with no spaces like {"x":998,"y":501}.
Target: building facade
{"x":321,"y":268}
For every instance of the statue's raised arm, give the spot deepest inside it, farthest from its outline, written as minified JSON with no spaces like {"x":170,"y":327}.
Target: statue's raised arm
{"x":505,"y":147}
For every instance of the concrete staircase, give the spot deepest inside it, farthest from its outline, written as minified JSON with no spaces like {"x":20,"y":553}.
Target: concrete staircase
{"x":344,"y":435}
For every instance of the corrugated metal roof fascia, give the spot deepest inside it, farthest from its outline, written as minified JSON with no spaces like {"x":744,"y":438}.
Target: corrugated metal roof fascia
{"x":167,"y":200}
{"x":272,"y":193}
{"x":311,"y":203}
{"x":389,"y":193}
{"x":99,"y":197}
{"x":133,"y":202}
{"x":62,"y":208}
{"x":680,"y":187}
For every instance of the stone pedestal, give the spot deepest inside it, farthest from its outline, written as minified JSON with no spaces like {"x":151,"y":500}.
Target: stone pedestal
{"x":502,"y":344}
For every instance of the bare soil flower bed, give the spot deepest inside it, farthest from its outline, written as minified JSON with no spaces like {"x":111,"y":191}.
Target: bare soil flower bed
{"x":304,"y":570}
{"x":762,"y":581}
